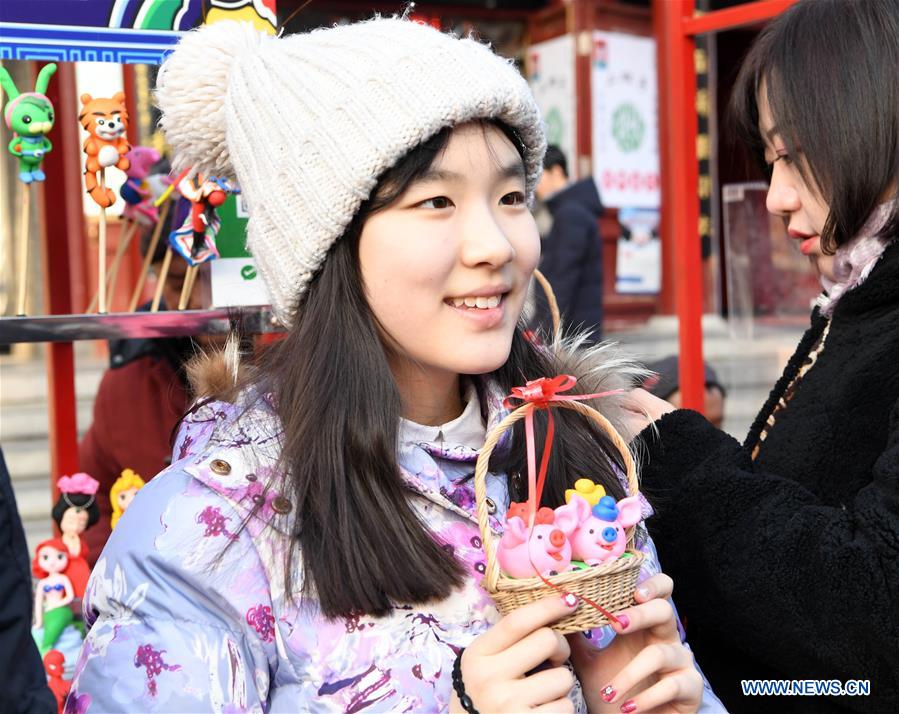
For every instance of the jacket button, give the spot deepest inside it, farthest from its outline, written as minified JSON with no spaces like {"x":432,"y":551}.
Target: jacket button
{"x":222,"y":468}
{"x":281,"y":505}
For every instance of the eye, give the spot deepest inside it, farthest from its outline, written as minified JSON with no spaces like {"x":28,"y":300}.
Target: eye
{"x":438,"y":202}
{"x":101,"y":122}
{"x":26,"y":119}
{"x":59,"y":556}
{"x":50,"y":116}
{"x":515,"y":198}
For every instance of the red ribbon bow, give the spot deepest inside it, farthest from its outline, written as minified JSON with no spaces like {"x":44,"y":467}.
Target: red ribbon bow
{"x":540,"y":394}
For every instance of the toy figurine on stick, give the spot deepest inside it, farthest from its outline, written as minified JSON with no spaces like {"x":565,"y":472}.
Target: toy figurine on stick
{"x":30,"y":116}
{"x":195,"y":239}
{"x":106,"y":120}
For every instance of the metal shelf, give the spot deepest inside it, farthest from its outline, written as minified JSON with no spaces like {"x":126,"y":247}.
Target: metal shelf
{"x":70,"y":328}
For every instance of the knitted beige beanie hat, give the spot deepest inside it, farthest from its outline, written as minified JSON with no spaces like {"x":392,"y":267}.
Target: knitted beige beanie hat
{"x":307,"y":123}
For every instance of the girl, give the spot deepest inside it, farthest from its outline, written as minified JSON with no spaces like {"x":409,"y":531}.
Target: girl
{"x":786,"y":549}
{"x":314,"y":544}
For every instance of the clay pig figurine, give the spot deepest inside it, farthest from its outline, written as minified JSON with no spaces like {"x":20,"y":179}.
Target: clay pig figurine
{"x":546,"y":550}
{"x":599,"y":536}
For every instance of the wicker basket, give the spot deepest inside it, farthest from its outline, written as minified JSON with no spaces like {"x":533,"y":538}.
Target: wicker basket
{"x":550,"y":300}
{"x":610,"y":584}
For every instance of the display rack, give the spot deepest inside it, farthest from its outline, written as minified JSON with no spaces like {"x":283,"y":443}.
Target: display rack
{"x":131,"y":325}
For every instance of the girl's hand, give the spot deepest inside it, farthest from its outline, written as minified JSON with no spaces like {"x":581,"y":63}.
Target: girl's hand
{"x":646,"y":667}
{"x":494,"y":665}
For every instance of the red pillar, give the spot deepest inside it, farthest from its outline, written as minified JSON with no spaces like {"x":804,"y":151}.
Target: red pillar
{"x":682,"y":262}
{"x":63,"y":259}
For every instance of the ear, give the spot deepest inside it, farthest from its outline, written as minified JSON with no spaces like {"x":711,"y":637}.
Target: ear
{"x":86,"y":99}
{"x":581,"y":506}
{"x":43,"y":78}
{"x":516,"y":529}
{"x":567,"y":518}
{"x":8,"y":85}
{"x":629,"y":511}
{"x":119,"y":97}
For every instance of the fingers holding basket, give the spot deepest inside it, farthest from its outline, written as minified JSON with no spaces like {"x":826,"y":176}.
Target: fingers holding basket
{"x":495,"y":666}
{"x":678,"y":688}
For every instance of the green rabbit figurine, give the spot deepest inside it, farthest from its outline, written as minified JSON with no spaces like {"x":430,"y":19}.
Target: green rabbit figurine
{"x":30,"y":116}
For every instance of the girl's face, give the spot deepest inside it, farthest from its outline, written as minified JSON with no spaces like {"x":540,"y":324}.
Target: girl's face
{"x":790,"y":196}
{"x":125,"y":498}
{"x":446,"y":266}
{"x":52,"y":560}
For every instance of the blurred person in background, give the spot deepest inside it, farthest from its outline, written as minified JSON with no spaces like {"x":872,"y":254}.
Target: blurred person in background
{"x":25,"y":688}
{"x":571,"y":252}
{"x":665,"y":384}
{"x":141,"y":397}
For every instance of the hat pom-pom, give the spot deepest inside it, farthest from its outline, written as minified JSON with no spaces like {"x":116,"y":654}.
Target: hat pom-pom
{"x":191,"y":90}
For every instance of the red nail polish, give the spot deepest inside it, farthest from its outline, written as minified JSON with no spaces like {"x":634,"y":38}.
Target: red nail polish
{"x":624,"y":620}
{"x":608,"y":694}
{"x":628,"y":707}
{"x":570,"y":599}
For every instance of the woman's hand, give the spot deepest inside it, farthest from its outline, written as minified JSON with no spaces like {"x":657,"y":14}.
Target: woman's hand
{"x":646,"y":667}
{"x":641,"y":409}
{"x":494,"y":665}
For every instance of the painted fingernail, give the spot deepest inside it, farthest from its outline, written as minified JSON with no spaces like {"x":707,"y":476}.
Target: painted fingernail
{"x":628,"y":707}
{"x":624,"y":621}
{"x":607,"y":693}
{"x":644,"y":593}
{"x":570,"y":599}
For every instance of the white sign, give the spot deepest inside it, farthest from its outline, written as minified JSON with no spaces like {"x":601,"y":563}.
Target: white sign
{"x":550,"y":69}
{"x":638,"y":268}
{"x":625,"y":120}
{"x":235,"y":282}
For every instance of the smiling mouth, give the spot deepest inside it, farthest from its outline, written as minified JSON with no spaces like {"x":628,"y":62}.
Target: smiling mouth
{"x":475,"y":303}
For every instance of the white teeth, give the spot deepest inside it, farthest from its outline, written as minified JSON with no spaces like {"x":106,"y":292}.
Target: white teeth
{"x":482,"y":303}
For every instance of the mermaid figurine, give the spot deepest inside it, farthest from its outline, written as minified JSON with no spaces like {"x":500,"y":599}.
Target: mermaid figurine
{"x":54,"y":592}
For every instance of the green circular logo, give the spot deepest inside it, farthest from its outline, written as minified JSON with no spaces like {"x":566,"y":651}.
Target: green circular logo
{"x":554,"y":127}
{"x":628,"y":127}
{"x":248,"y":272}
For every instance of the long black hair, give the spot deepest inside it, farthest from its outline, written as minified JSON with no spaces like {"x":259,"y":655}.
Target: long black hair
{"x":830,"y":70}
{"x":362,"y":546}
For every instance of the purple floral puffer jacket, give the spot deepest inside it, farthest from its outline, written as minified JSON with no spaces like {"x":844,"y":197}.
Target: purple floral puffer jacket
{"x":187,"y":609}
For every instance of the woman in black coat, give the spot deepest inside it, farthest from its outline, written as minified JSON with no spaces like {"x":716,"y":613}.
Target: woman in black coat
{"x":785,"y":549}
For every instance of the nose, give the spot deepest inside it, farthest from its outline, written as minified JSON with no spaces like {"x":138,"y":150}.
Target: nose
{"x":557,"y":538}
{"x":609,"y":535}
{"x":782,"y":198}
{"x":484,"y":240}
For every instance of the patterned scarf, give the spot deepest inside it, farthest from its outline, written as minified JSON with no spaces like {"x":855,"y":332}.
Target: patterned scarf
{"x":855,"y":260}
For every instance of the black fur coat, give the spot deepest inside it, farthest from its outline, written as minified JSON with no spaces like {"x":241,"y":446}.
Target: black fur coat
{"x":788,"y":567}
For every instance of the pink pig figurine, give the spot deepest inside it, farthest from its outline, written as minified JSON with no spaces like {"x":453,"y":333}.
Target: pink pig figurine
{"x":600,"y":533}
{"x":548,"y":548}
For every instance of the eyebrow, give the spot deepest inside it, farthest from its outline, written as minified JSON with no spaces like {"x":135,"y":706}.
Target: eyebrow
{"x":511,"y":171}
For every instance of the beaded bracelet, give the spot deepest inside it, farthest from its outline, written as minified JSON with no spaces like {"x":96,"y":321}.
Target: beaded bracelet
{"x":459,"y":685}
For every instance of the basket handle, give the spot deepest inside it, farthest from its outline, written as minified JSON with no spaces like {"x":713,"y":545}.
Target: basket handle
{"x":551,"y":301}
{"x":491,"y":573}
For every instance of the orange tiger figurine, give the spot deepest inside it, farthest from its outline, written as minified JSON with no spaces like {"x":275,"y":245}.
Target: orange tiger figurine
{"x":106,"y":121}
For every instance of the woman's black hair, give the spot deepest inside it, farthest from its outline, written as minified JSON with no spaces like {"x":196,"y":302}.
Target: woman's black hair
{"x":76,"y":500}
{"x":830,"y":70}
{"x":362,"y":547}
